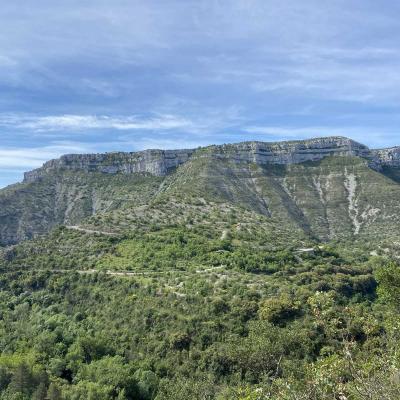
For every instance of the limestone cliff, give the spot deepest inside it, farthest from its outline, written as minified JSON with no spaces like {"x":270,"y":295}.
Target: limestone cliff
{"x":161,"y":162}
{"x":154,"y":162}
{"x":387,"y":157}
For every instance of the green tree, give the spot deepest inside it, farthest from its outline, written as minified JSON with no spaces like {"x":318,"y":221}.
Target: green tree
{"x":278,"y":310}
{"x":54,"y":392}
{"x":388,"y":278}
{"x":41,"y":392}
{"x":110,"y":372}
{"x":22,"y":380}
{"x":5,"y":378}
{"x":147,"y":382}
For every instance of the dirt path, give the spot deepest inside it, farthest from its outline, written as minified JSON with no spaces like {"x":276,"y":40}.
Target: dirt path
{"x":149,"y":273}
{"x":80,"y":229}
{"x":122,"y":273}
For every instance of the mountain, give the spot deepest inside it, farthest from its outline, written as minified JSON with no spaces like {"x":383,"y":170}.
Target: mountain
{"x":325,"y":188}
{"x":241,"y":271}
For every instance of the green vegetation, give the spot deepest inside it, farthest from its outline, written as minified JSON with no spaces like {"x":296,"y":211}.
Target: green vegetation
{"x":215,"y":282}
{"x":198,"y":315}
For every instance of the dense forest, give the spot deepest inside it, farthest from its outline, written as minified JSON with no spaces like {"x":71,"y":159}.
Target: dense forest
{"x":178,"y":313}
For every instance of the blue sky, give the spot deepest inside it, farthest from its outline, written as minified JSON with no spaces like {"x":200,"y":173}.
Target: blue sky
{"x":94,"y":76}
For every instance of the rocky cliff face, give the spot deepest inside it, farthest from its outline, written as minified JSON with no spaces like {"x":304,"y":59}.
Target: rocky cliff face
{"x":293,"y":152}
{"x":161,"y":162}
{"x":154,"y":162}
{"x":387,"y":157}
{"x":333,"y":198}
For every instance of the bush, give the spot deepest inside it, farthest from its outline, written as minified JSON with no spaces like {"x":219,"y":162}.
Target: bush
{"x":278,"y":310}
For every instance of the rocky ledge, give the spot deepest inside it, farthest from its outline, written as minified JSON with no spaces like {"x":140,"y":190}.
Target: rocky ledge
{"x":154,"y":162}
{"x":387,"y":157}
{"x":160,"y":162}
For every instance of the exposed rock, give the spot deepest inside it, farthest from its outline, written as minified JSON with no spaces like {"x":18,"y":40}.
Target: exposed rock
{"x":326,"y":199}
{"x":154,"y":162}
{"x":160,"y":162}
{"x":293,"y":152}
{"x":387,"y":157}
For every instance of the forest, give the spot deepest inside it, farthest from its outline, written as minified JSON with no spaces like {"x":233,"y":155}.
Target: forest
{"x":178,"y":313}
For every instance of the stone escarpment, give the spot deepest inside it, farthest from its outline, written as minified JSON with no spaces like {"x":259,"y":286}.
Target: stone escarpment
{"x":161,"y":162}
{"x":154,"y":162}
{"x":293,"y":152}
{"x":387,"y":157}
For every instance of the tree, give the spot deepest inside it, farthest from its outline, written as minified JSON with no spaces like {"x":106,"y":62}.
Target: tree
{"x":54,"y":393}
{"x":5,"y":378}
{"x":109,"y":372}
{"x":40,"y":393}
{"x":278,"y":310}
{"x":147,"y":382}
{"x":22,"y":380}
{"x":388,"y":278}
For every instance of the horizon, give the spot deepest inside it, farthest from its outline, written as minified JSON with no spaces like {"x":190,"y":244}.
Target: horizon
{"x":221,"y":144}
{"x":95,"y":77}
{"x":230,"y":143}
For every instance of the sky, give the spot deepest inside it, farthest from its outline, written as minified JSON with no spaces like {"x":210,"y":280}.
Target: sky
{"x":96,"y":76}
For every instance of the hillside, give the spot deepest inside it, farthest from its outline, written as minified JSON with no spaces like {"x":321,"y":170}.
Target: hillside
{"x":328,"y":188}
{"x":251,"y":271}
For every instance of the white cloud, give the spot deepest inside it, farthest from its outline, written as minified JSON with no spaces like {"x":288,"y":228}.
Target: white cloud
{"x":371,"y":136}
{"x":23,"y":158}
{"x":347,"y":73}
{"x":82,"y":122}
{"x":168,"y":73}
{"x":7,"y":61}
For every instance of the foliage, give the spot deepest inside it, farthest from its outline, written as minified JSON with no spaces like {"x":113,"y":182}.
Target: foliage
{"x":187,"y":293}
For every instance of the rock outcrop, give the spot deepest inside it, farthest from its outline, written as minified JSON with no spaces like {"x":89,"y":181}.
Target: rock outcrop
{"x":160,"y":162}
{"x":293,"y":152}
{"x":387,"y":157}
{"x":154,"y":162}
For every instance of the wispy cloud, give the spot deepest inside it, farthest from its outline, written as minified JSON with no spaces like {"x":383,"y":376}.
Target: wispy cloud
{"x":14,"y":161}
{"x":22,"y":158}
{"x":127,"y":75}
{"x":372,"y":136}
{"x":7,"y":61}
{"x":84,"y":122}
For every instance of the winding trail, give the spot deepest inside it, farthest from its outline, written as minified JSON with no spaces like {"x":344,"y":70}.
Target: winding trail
{"x":120,"y":273}
{"x":80,"y":229}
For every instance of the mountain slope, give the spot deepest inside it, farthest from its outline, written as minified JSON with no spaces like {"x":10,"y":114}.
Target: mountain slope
{"x":325,"y":188}
{"x":33,"y":208}
{"x":332,"y":198}
{"x":203,"y":279}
